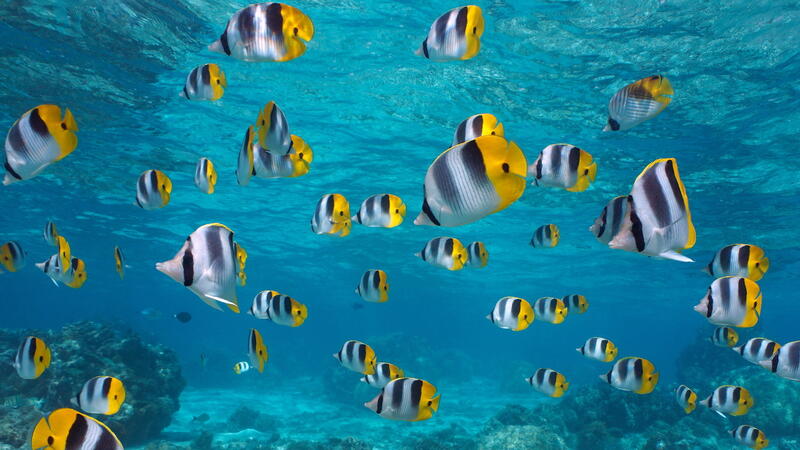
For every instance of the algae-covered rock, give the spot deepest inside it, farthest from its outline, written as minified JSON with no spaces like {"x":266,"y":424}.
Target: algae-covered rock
{"x":521,"y":437}
{"x":151,"y":375}
{"x":247,"y":418}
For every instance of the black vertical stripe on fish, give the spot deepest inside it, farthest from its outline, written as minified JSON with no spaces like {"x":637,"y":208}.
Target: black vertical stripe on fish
{"x":744,"y":256}
{"x":603,"y":219}
{"x":37,"y":124}
{"x":710,"y":307}
{"x":213,"y":245}
{"x":275,"y":18}
{"x":14,"y":174}
{"x":725,"y":258}
{"x":416,"y":392}
{"x":555,"y":159}
{"x":622,"y":371}
{"x":385,"y":370}
{"x":548,"y":233}
{"x":461,"y":131}
{"x":90,"y":387}
{"x":725,"y":294}
{"x":636,"y":226}
{"x":539,"y":168}
{"x":287,"y":305}
{"x":193,"y":80}
{"x":515,"y":307}
{"x":76,"y":436}
{"x":185,"y":92}
{"x":15,"y":140}
{"x":32,"y":350}
{"x":106,"y":386}
{"x":74,"y":263}
{"x":376,"y":280}
{"x":12,"y":248}
{"x":657,"y":201}
{"x":592,"y":343}
{"x":369,"y":205}
{"x":253,"y":341}
{"x":574,"y":159}
{"x":362,"y":354}
{"x":328,"y":206}
{"x":617,"y":216}
{"x":551,"y":379}
{"x":426,"y":209}
{"x":737,"y":395}
{"x":223,"y":39}
{"x":742,"y":291}
{"x":603,"y":346}
{"x":461,"y":21}
{"x":613,"y":124}
{"x":397,"y":394}
{"x":379,"y":407}
{"x":477,"y":122}
{"x":349,"y":350}
{"x":206,"y":75}
{"x":551,"y":303}
{"x":770,"y":348}
{"x":187,"y":262}
{"x":638,"y":369}
{"x":794,"y":356}
{"x":385,"y":204}
{"x":448,"y":247}
{"x":472,"y":158}
{"x":673,"y":183}
{"x":775,"y":362}
{"x":425,"y":50}
{"x":245,"y":24}
{"x":441,"y":29}
{"x":106,"y":441}
{"x":153,"y":181}
{"x":540,"y":377}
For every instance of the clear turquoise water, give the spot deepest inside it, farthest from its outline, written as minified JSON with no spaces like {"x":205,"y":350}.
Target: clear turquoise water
{"x":376,"y":116}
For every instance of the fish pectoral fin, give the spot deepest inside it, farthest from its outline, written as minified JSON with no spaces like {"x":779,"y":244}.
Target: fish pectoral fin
{"x":675,"y":256}
{"x":221,"y":300}
{"x":54,"y":281}
{"x":727,"y":419}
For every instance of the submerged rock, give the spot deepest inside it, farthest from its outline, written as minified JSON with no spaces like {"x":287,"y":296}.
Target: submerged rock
{"x":151,"y":374}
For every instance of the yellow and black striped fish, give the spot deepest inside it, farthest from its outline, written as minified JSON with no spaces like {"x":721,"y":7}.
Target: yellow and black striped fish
{"x":576,"y":302}
{"x":512,"y":313}
{"x":750,"y":436}
{"x":206,"y":82}
{"x":101,"y":395}
{"x":295,"y":163}
{"x":758,"y":349}
{"x":786,"y":362}
{"x":119,"y":262}
{"x":374,"y":286}
{"x":37,"y":139}
{"x":686,"y":398}
{"x":477,"y":255}
{"x":658,"y":221}
{"x":599,"y":349}
{"x":205,"y":176}
{"x":638,"y":102}
{"x":549,"y":382}
{"x":381,"y":210}
{"x":546,"y":236}
{"x":724,"y":337}
{"x":272,"y":130}
{"x":265,"y":32}
{"x":632,"y":374}
{"x":12,"y":257}
{"x":550,"y":309}
{"x":445,"y":252}
{"x":742,"y":260}
{"x":607,"y":225}
{"x":32,"y":359}
{"x":67,"y":429}
{"x":728,"y":399}
{"x":732,"y":301}
{"x":50,"y":233}
{"x":358,"y":357}
{"x":256,"y":350}
{"x":73,"y":274}
{"x":281,"y":309}
{"x":472,"y":180}
{"x":455,"y":35}
{"x":409,"y":399}
{"x":384,"y":373}
{"x":563,"y":166}
{"x":153,"y":189}
{"x":207,"y":265}
{"x":332,"y":216}
{"x":241,"y":367}
{"x":476,"y":126}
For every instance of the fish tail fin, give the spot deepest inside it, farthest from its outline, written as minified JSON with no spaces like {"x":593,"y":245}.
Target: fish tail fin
{"x":435,"y":403}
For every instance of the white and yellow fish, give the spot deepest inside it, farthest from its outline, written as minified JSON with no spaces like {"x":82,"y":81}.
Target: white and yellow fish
{"x":638,"y":102}
{"x":455,"y":35}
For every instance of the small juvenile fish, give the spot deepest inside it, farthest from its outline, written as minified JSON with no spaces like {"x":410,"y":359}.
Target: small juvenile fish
{"x":546,"y":236}
{"x":732,"y":301}
{"x":563,"y":166}
{"x":153,"y":189}
{"x":256,"y":350}
{"x":549,"y":382}
{"x":686,"y":398}
{"x":37,"y":139}
{"x":786,"y":362}
{"x":724,"y":337}
{"x":265,"y":32}
{"x":477,"y":255}
{"x":576,"y":302}
{"x":206,"y":82}
{"x":476,"y":126}
{"x":241,"y":367}
{"x":32,"y":359}
{"x":741,"y":260}
{"x":758,"y":349}
{"x":119,"y":262}
{"x":205,"y":176}
{"x":12,"y":257}
{"x":384,"y":373}
{"x":374,"y":286}
{"x":50,"y":233}
{"x":101,"y":395}
{"x":455,"y":35}
{"x":550,"y":309}
{"x":607,"y":225}
{"x":638,"y":102}
{"x":332,"y":216}
{"x":183,"y":317}
{"x":445,"y":252}
{"x":69,"y":429}
{"x":512,"y":313}
{"x":733,"y":400}
{"x":381,"y":210}
{"x":470,"y":181}
{"x":207,"y":265}
{"x":632,"y":374}
{"x":409,"y":399}
{"x":599,"y":349}
{"x":358,"y":357}
{"x":281,"y":309}
{"x":658,"y":221}
{"x":750,"y":436}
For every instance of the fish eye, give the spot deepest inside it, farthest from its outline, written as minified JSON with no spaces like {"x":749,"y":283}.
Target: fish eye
{"x":757,"y":264}
{"x":397,"y":211}
{"x":41,"y":359}
{"x":505,"y":167}
{"x":492,"y":133}
{"x":300,"y":155}
{"x":115,"y":397}
{"x":50,"y":440}
{"x":219,"y":82}
{"x":386,"y":288}
{"x":586,"y":171}
{"x":263,"y":122}
{"x":430,"y":402}
{"x":295,"y":31}
{"x":63,"y":126}
{"x":341,"y":213}
{"x":474,"y":30}
{"x":650,"y":378}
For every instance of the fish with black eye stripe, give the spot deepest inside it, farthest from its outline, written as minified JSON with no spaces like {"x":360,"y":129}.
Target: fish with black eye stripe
{"x":409,"y":399}
{"x":455,"y":35}
{"x":205,"y":82}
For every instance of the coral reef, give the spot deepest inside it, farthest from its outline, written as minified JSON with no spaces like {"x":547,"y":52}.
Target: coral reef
{"x":82,"y":350}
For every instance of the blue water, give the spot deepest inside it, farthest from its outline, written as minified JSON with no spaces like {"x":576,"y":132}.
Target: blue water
{"x":376,"y":116}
